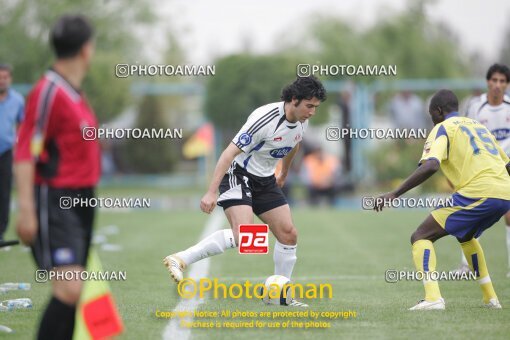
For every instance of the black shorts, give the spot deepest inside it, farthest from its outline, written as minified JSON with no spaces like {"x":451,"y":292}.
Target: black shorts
{"x":64,"y":235}
{"x":239,"y":187}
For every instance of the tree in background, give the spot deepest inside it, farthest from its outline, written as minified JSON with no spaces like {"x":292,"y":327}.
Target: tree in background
{"x":24,"y":36}
{"x":241,"y":84}
{"x":419,"y":47}
{"x":150,"y":156}
{"x":505,"y":51}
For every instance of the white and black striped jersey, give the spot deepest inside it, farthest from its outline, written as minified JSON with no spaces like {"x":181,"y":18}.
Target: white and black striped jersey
{"x":265,"y":138}
{"x":495,"y":118}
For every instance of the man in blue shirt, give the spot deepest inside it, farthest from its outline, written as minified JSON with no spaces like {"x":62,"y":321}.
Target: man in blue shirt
{"x":12,"y":107}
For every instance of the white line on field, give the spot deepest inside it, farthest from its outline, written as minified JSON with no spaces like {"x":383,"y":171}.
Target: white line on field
{"x":297,"y":279}
{"x":198,"y":270}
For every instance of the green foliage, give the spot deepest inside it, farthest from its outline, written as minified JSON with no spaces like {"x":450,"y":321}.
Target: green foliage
{"x":419,"y":47}
{"x":150,"y":156}
{"x":24,"y":36}
{"x":394,"y":161}
{"x":335,"y":42}
{"x":505,"y":51}
{"x":241,"y":84}
{"x":107,"y":94}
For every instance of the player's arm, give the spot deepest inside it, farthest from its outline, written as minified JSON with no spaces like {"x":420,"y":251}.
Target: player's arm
{"x":434,"y":152}
{"x":286,"y":163}
{"x":245,"y":139}
{"x":26,"y":225}
{"x":27,"y":147}
{"x":420,"y":175}
{"x":208,"y":202}
{"x":20,"y":115}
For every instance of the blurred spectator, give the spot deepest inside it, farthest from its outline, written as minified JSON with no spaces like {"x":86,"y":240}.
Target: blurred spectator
{"x":108,"y":168}
{"x":468,"y":102}
{"x":319,"y":173}
{"x":407,"y":111}
{"x":344,"y":103}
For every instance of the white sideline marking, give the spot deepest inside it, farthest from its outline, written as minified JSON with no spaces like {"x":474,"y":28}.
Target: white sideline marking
{"x":197,"y":270}
{"x":297,"y":279}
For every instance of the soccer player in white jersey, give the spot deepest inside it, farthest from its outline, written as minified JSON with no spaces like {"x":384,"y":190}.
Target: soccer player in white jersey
{"x":492,"y":109}
{"x":244,"y":176}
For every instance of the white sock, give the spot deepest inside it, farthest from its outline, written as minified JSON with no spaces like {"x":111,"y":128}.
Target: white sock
{"x":508,"y":243}
{"x":284,"y":259}
{"x":214,"y":244}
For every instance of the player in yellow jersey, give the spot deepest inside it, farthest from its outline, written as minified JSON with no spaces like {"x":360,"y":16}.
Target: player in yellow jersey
{"x":479,"y":169}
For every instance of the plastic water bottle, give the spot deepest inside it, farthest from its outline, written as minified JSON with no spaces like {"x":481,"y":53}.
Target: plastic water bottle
{"x":8,"y":286}
{"x":9,"y":305}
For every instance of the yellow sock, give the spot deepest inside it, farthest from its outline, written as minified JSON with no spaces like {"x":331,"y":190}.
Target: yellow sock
{"x":474,"y":255}
{"x":424,"y":258}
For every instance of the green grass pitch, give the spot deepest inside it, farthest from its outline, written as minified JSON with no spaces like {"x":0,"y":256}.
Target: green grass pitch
{"x":351,"y":250}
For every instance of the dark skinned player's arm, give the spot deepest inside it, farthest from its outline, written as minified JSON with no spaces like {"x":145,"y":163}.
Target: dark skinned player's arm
{"x":420,"y":175}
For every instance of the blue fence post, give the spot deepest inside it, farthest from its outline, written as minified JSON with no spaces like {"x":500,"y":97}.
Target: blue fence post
{"x":360,"y":119}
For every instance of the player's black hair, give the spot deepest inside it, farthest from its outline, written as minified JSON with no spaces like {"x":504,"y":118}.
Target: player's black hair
{"x":304,"y":88}
{"x":446,"y":100}
{"x":6,"y":67}
{"x":69,"y":34}
{"x":498,"y":68}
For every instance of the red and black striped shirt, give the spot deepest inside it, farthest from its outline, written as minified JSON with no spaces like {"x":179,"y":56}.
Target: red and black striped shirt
{"x":52,"y":135}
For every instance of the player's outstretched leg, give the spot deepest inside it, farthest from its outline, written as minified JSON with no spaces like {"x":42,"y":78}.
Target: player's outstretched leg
{"x":424,"y":257}
{"x":214,"y":244}
{"x":476,"y":259}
